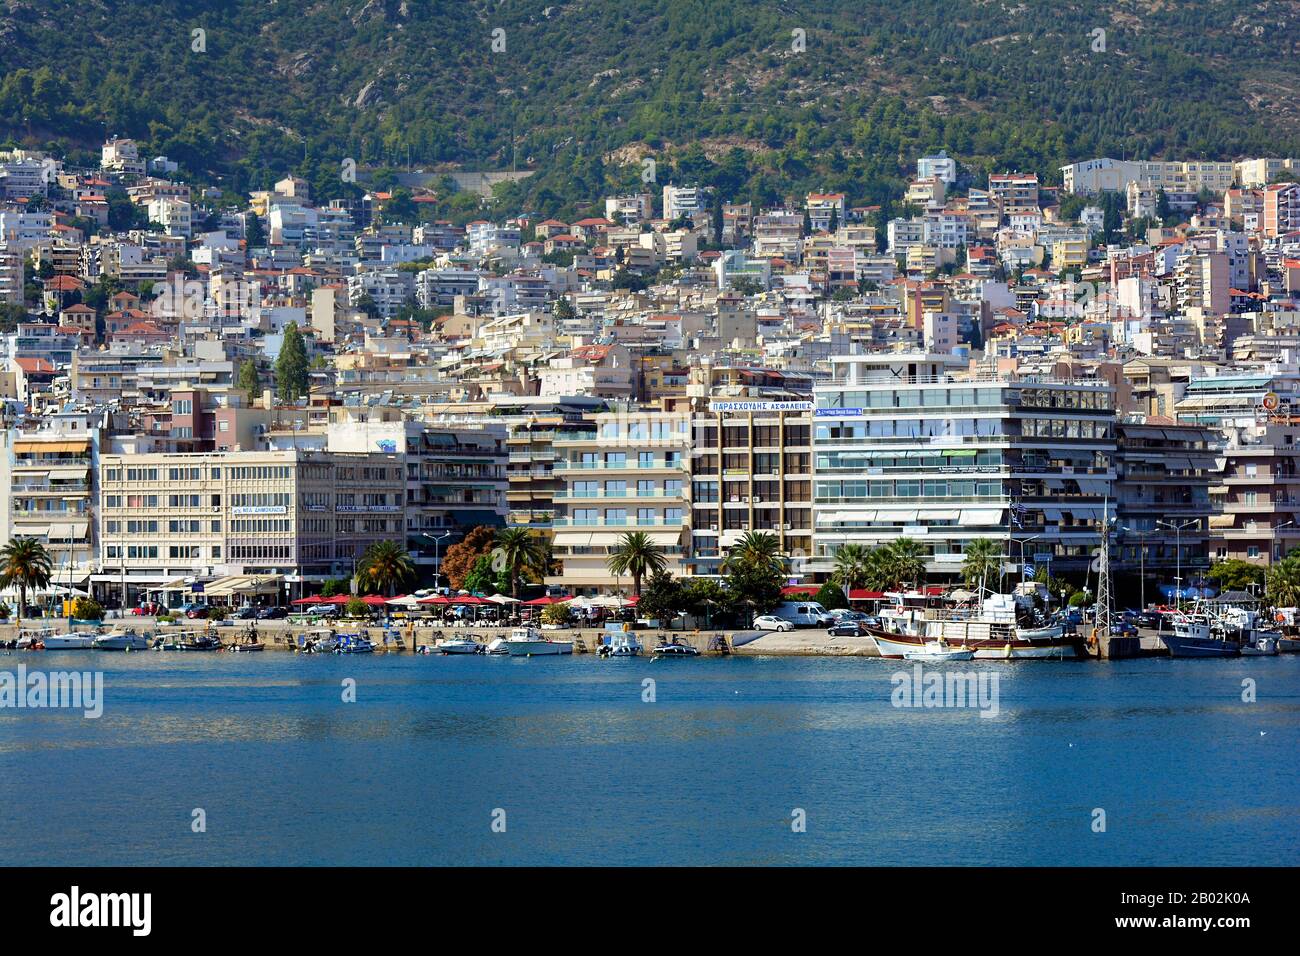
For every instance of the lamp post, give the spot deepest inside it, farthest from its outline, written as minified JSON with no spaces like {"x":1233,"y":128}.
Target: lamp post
{"x":1022,"y":542}
{"x":437,"y":563}
{"x":1142,"y":560}
{"x":1277,"y":552}
{"x":1177,"y":528}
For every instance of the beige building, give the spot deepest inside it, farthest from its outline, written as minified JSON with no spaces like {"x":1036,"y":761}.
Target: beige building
{"x":633,"y":474}
{"x":284,"y":514}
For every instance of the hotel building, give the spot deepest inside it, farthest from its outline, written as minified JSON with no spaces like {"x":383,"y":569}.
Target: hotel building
{"x":911,"y":445}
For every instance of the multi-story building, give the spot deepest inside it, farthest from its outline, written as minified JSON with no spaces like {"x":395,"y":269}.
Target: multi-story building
{"x":941,"y":166}
{"x":1281,"y":211}
{"x":1162,"y":491}
{"x":1113,"y":175}
{"x":51,"y":493}
{"x":905,"y":445}
{"x":682,"y":201}
{"x":632,"y":475}
{"x":292,"y":515}
{"x":751,"y":469}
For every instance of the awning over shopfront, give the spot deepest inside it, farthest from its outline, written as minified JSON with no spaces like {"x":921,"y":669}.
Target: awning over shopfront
{"x":244,"y":585}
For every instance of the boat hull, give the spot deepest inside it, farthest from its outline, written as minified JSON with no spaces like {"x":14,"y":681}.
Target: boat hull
{"x":898,"y":646}
{"x":71,"y":642}
{"x":1181,"y":645}
{"x":539,"y":648}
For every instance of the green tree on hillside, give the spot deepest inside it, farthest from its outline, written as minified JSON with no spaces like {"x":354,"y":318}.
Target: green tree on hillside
{"x":291,"y":366}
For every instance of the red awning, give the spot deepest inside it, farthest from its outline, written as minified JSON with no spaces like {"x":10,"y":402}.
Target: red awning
{"x":537,"y":602}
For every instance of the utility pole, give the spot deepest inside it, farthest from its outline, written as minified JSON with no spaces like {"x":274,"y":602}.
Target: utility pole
{"x":1103,"y":578}
{"x":1177,"y":528}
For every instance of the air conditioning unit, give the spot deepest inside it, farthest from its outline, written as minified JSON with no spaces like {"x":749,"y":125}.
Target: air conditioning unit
{"x":787,"y":526}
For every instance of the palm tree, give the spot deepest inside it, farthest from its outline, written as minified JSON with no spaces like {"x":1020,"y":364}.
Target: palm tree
{"x":904,"y":561}
{"x":518,"y":550}
{"x":1283,"y":582}
{"x":983,"y":557}
{"x":26,"y":563}
{"x":638,"y":556}
{"x":852,"y":566}
{"x":757,"y":549}
{"x":384,"y":567}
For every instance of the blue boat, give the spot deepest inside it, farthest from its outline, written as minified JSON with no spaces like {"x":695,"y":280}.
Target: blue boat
{"x":1194,"y":635}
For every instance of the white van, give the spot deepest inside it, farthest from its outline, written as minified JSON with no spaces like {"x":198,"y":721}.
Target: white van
{"x":803,"y":614}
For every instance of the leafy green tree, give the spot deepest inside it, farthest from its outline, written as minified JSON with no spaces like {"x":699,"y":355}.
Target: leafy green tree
{"x":663,"y":597}
{"x":831,"y":596}
{"x":703,"y":597}
{"x":754,"y":587}
{"x":484,"y":579}
{"x":852,"y":566}
{"x":1282,"y":585}
{"x":26,"y":563}
{"x":291,"y":365}
{"x":255,"y":232}
{"x":904,"y":562}
{"x":638,"y":556}
{"x":356,"y":608}
{"x":248,"y":379}
{"x":1234,"y":574}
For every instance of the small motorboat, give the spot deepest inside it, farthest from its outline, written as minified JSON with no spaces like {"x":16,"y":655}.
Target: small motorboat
{"x":459,"y":645}
{"x":248,"y":647}
{"x":354,"y":644}
{"x":497,"y":647}
{"x":621,"y":645}
{"x":33,"y":640}
{"x":937,"y":652}
{"x":68,"y":642}
{"x":676,"y":648}
{"x":528,"y":642}
{"x":121,"y":639}
{"x":1260,"y":647}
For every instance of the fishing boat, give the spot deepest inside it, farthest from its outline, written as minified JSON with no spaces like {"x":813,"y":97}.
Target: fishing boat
{"x":1288,"y":644}
{"x":121,"y":639}
{"x":676,"y":648}
{"x":988,"y":628}
{"x":188,"y":642}
{"x":459,"y":645}
{"x":1198,"y":634}
{"x":33,"y":639}
{"x":529,"y":642}
{"x":69,"y":642}
{"x":248,"y":647}
{"x":938,"y":652}
{"x":621,"y":645}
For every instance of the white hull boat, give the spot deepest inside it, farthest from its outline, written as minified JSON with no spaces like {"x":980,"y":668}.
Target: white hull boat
{"x":459,"y":645}
{"x":69,"y":642}
{"x":621,"y":645}
{"x":120,"y":641}
{"x":528,"y":642}
{"x":937,"y":652}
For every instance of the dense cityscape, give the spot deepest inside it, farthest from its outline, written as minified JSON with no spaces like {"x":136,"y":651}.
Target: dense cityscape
{"x":251,"y":392}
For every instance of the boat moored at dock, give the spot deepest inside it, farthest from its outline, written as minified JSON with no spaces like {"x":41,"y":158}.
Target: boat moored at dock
{"x":529,"y":642}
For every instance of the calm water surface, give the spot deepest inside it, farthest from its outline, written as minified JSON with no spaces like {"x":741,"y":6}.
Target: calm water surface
{"x":709,"y":773}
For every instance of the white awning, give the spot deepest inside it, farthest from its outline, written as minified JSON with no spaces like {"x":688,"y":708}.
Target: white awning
{"x":68,"y":474}
{"x":939,"y":514}
{"x":897,"y":517}
{"x":67,"y":531}
{"x":572,"y":539}
{"x":982,"y":516}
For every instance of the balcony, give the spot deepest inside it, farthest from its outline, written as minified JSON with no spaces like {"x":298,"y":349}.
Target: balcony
{"x":629,"y":493}
{"x":660,"y":464}
{"x":620,"y":523}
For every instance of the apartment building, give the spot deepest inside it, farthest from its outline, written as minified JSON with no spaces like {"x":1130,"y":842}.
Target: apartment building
{"x":1254,"y":173}
{"x":909,"y":445}
{"x":1281,"y":209}
{"x":51,"y":493}
{"x":1015,"y":193}
{"x":682,"y":201}
{"x":751,"y":470}
{"x":291,"y":515}
{"x":1164,"y":472}
{"x":632,"y":474}
{"x":1113,"y":175}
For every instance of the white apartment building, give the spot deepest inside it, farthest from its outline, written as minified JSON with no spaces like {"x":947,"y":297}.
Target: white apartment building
{"x":941,"y":167}
{"x":1113,"y":175}
{"x":682,"y":201}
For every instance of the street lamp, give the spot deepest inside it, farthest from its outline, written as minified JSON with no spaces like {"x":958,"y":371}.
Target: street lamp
{"x":1022,"y":542}
{"x":437,"y":564}
{"x":1177,"y":528}
{"x":1277,"y":553}
{"x":1142,"y":559}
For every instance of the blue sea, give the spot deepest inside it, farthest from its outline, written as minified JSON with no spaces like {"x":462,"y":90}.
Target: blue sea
{"x":735,"y":761}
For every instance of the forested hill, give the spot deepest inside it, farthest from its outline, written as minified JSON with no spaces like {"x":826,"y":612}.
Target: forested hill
{"x":714,"y":90}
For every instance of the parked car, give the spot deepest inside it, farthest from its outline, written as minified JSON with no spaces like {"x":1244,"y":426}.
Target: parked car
{"x":1123,"y":628}
{"x":272,"y":614}
{"x":1147,"y":619}
{"x":323,"y":610}
{"x":847,"y":628}
{"x":147,"y":609}
{"x":768,"y":622}
{"x":845,"y":614}
{"x":195,"y":610}
{"x":245,"y":614}
{"x":802,"y":614}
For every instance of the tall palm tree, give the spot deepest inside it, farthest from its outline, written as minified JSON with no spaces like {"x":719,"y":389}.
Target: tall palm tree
{"x":1283,"y":582}
{"x":982,"y":560}
{"x":26,"y":563}
{"x":905,"y":561}
{"x":384,"y":567}
{"x":852,"y":566}
{"x":518,"y":550}
{"x":638,"y":556}
{"x":757,"y":549}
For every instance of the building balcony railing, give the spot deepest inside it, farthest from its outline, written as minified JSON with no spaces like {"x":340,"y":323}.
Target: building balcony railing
{"x":658,"y":463}
{"x":629,"y":493}
{"x":620,"y":523}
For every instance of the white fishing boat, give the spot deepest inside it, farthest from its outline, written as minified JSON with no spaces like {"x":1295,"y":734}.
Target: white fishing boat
{"x":1260,"y":647}
{"x":988,"y":629}
{"x":459,"y":645}
{"x":120,"y":639}
{"x":622,"y":645}
{"x":497,"y":647}
{"x":354,"y":644}
{"x":528,"y":642}
{"x":33,"y":638}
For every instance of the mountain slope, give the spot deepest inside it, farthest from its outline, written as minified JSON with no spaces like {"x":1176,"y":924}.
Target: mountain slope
{"x":713,"y":90}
